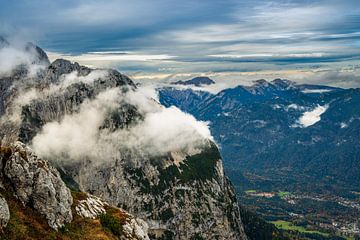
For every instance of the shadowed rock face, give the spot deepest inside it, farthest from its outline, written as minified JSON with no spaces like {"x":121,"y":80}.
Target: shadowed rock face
{"x":180,"y":198}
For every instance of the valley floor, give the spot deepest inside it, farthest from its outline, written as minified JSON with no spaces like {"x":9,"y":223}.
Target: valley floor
{"x":314,"y":215}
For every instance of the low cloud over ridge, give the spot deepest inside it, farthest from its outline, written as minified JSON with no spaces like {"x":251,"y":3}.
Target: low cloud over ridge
{"x":81,"y":135}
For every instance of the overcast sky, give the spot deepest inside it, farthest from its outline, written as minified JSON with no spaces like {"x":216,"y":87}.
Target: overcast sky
{"x":315,"y":41}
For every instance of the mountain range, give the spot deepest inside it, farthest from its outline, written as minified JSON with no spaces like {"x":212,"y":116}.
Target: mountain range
{"x":280,"y":136}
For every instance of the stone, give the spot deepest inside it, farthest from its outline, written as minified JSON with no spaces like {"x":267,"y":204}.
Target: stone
{"x":37,"y":184}
{"x":4,"y":213}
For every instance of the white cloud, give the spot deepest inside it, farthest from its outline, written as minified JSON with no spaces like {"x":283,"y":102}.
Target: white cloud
{"x":76,"y":135}
{"x":111,"y":57}
{"x":294,"y":106}
{"x":11,"y":57}
{"x":80,"y":135}
{"x":316,"y":90}
{"x":311,"y":117}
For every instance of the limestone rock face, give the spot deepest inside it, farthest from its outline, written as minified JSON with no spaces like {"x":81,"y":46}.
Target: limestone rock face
{"x":4,"y":213}
{"x":91,"y":207}
{"x":136,"y":228}
{"x":38,"y":184}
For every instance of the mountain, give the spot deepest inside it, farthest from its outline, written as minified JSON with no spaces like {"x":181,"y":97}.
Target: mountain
{"x":259,"y":126}
{"x":280,"y":136}
{"x":197,"y":81}
{"x":66,"y":126}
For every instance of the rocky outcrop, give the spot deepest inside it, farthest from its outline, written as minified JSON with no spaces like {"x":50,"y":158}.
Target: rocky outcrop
{"x":90,"y":207}
{"x":37,"y":184}
{"x":136,"y":228}
{"x":4,"y":213}
{"x":93,"y":207}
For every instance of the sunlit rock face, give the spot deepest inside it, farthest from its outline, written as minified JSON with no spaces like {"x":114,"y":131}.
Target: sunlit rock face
{"x":4,"y":213}
{"x":37,"y":184}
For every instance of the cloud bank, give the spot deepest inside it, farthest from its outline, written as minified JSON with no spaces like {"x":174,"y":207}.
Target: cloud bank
{"x":168,"y":37}
{"x":14,"y":56}
{"x":311,"y":117}
{"x":81,"y":136}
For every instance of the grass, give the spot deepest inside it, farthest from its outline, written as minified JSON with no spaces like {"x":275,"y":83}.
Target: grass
{"x":283,"y":194}
{"x":250,"y":191}
{"x":284,"y":225}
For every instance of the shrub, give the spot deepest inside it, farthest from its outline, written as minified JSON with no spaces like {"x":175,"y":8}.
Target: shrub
{"x":111,"y":224}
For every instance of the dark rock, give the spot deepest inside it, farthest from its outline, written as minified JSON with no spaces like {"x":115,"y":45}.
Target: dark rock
{"x":197,"y":81}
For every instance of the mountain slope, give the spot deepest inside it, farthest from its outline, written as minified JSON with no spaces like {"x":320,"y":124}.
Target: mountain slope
{"x":259,"y":127}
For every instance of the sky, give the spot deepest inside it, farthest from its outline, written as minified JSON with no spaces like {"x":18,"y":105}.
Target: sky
{"x":315,"y":41}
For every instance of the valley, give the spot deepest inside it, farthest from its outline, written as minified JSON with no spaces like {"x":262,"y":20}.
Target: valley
{"x":323,"y":214}
{"x":292,"y":151}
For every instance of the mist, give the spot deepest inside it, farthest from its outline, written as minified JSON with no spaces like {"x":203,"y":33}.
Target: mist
{"x":80,"y":135}
{"x":15,"y":55}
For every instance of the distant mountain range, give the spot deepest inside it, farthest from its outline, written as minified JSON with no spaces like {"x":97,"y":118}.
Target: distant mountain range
{"x":302,"y":132}
{"x":197,"y":81}
{"x":291,"y":150}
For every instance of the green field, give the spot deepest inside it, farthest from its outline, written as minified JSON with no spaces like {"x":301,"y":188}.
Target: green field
{"x":290,"y":227}
{"x":250,"y":191}
{"x":283,"y":194}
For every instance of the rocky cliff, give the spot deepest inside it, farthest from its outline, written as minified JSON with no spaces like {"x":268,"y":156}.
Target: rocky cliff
{"x":35,"y":203}
{"x":178,"y":187}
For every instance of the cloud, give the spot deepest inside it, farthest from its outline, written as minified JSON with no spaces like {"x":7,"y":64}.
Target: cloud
{"x":74,"y":77}
{"x":14,"y":56}
{"x":76,"y":135}
{"x":316,"y":90}
{"x":167,"y":130}
{"x":169,"y":37}
{"x":27,"y":93}
{"x":345,"y":77}
{"x":81,"y":136}
{"x":311,"y":117}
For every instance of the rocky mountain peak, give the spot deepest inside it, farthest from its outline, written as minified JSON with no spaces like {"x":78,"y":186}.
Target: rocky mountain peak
{"x":41,"y":56}
{"x":261,"y":82}
{"x":283,"y":83}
